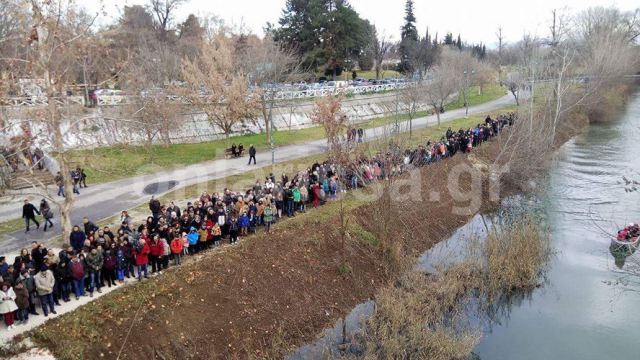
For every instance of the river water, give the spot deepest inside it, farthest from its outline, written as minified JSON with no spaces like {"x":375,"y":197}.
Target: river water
{"x":580,"y":313}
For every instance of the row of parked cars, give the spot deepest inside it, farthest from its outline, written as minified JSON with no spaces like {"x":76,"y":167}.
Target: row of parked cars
{"x":323,"y":84}
{"x":299,"y":86}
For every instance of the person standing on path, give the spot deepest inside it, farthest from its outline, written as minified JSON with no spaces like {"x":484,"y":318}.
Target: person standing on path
{"x":83,"y":178}
{"x":44,"y":286}
{"x":47,"y":214}
{"x":29,"y":214}
{"x":252,"y":154}
{"x":7,"y":304}
{"x":60,"y":184}
{"x":94,"y":261}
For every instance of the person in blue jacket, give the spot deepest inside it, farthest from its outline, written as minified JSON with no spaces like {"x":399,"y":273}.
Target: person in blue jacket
{"x":193,"y":238}
{"x":243,"y":222}
{"x":77,"y":238}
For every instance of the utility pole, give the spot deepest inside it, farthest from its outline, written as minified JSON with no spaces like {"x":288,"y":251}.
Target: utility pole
{"x":465,"y":92}
{"x":533,"y":84}
{"x":271,"y":144}
{"x":397,"y":110}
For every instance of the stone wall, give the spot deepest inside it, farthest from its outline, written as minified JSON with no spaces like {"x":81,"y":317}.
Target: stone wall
{"x":104,"y":126}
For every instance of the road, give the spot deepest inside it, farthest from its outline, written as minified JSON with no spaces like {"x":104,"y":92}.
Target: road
{"x":108,"y":199}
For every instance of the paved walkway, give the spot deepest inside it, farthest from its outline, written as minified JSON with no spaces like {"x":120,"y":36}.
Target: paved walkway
{"x":105,"y":200}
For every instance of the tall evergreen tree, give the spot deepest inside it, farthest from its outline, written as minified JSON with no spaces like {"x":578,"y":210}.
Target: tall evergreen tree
{"x":448,"y":39}
{"x":408,"y":38}
{"x":459,"y":43}
{"x":323,"y":32}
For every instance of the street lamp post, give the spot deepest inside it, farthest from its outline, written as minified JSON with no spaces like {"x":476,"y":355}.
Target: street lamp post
{"x":271,"y":144}
{"x":397,"y":110}
{"x":466,"y":92}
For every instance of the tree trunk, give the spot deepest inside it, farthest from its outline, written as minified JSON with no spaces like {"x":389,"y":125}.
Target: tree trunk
{"x":437,"y":111}
{"x":149,"y":146}
{"x":58,"y":144}
{"x":265,"y":115}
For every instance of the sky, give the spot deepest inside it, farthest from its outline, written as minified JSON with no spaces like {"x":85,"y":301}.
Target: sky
{"x":476,"y":21}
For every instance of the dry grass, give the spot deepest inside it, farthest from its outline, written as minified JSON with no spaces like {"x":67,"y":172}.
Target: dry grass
{"x":422,"y":318}
{"x":427,"y":317}
{"x":516,"y":257}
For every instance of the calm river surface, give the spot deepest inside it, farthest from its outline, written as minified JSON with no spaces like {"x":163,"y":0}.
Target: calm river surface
{"x":579,"y":314}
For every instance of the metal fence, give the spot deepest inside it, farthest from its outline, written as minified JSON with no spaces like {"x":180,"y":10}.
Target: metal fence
{"x":115,"y":100}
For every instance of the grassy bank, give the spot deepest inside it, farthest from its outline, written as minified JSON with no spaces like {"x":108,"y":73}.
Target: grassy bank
{"x":507,"y":264}
{"x":112,"y":163}
{"x":240,"y":181}
{"x":224,"y":304}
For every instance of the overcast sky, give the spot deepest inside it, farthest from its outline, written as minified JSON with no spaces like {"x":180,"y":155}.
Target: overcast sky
{"x":475,"y":20}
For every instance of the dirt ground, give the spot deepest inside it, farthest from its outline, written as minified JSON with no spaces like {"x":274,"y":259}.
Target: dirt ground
{"x":266,"y":296}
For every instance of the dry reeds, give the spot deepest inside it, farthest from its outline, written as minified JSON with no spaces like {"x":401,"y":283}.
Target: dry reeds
{"x":516,"y":256}
{"x":422,"y":317}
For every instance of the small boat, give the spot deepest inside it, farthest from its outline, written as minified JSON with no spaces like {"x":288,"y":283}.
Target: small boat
{"x":629,"y":237}
{"x":627,"y":242}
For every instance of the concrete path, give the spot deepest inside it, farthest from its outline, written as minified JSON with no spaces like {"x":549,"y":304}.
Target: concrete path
{"x":105,"y":200}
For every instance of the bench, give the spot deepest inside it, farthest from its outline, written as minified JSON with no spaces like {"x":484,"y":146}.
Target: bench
{"x":229,"y":154}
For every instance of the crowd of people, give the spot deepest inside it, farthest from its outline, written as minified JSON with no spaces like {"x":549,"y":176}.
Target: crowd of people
{"x":99,"y":256}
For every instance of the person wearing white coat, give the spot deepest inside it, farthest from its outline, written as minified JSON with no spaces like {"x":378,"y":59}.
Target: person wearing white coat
{"x":8,"y":304}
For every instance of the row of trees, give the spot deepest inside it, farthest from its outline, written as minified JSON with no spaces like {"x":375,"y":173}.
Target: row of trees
{"x":163,"y":66}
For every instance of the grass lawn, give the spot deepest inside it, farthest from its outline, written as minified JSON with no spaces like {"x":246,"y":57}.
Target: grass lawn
{"x":244,"y":180}
{"x":489,"y":93}
{"x":116,"y":162}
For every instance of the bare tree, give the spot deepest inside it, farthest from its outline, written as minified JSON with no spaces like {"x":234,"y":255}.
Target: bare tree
{"x":218,"y":86}
{"x":54,"y":31}
{"x":515,"y":82}
{"x":443,"y":85}
{"x":268,"y":64}
{"x":381,"y":46}
{"x":484,"y":75}
{"x":328,"y":113}
{"x":501,"y":44}
{"x":164,"y":13}
{"x":412,"y":97}
{"x":155,"y":115}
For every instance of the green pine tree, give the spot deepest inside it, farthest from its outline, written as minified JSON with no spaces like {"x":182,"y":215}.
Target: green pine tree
{"x":408,"y":38}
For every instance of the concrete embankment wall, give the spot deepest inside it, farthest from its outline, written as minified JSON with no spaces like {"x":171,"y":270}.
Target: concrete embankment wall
{"x":109,"y":125}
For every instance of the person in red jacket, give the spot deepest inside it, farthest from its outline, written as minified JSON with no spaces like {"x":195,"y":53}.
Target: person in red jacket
{"x":141,"y":252}
{"x":76,"y":267}
{"x":176,"y":249}
{"x":315,"y":188}
{"x":157,"y":250}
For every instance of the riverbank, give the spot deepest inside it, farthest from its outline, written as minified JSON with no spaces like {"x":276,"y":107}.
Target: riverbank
{"x":132,"y":192}
{"x":231,"y":293}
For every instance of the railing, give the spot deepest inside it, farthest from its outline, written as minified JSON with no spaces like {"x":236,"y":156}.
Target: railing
{"x":325,"y":91}
{"x":40,"y":100}
{"x":115,"y":100}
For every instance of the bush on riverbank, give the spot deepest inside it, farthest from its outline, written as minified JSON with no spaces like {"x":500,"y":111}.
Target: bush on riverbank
{"x":421,"y":317}
{"x":516,"y":256}
{"x":428,"y":317}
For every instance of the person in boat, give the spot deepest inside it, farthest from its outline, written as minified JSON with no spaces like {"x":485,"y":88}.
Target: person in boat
{"x":629,"y":233}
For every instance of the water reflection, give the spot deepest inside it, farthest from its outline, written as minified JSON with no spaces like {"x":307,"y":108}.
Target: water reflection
{"x":576,"y":315}
{"x":620,"y":253}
